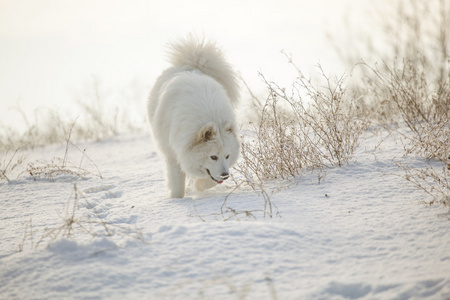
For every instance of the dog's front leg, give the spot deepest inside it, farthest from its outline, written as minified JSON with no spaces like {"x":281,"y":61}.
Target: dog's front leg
{"x":176,"y":179}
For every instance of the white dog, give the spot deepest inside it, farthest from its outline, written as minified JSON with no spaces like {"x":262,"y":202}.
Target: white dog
{"x":190,"y":111}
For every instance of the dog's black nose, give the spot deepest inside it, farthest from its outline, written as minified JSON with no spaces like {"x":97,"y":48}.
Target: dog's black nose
{"x":224,"y":176}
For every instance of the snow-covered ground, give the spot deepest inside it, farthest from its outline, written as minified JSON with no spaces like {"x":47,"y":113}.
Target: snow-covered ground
{"x":361,"y":232}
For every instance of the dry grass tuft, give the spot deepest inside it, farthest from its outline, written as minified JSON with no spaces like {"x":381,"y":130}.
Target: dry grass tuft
{"x":97,"y":114}
{"x":62,"y":166}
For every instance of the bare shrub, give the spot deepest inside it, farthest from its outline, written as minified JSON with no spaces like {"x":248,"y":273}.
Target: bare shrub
{"x":412,"y":86}
{"x":431,"y":180}
{"x":424,"y":107}
{"x":307,"y":129}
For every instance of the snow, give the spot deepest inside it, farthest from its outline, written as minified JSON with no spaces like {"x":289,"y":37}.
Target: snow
{"x":360,"y":233}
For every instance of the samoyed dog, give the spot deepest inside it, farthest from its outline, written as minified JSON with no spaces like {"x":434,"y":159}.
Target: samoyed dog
{"x":191,"y":114}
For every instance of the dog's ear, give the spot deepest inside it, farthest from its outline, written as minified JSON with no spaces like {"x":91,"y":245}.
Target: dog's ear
{"x":208,"y":132}
{"x":230,"y":127}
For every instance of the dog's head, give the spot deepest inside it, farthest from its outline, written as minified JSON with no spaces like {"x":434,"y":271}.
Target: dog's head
{"x":216,"y":150}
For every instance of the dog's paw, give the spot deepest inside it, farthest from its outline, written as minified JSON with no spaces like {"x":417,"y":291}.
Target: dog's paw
{"x":202,"y":184}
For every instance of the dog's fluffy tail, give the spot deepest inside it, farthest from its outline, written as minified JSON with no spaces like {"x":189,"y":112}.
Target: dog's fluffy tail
{"x":202,"y":55}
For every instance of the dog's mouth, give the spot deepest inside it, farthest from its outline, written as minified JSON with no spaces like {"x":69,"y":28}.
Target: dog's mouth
{"x":218,"y":181}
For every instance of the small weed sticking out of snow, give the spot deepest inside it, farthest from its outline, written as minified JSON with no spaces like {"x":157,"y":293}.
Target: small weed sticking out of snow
{"x":223,"y":285}
{"x":217,"y":284}
{"x":269,"y":209}
{"x":28,"y":234}
{"x":10,"y":162}
{"x":271,"y":287}
{"x":74,"y":224}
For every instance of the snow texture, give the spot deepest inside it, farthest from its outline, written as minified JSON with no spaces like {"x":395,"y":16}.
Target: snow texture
{"x":361,"y":233}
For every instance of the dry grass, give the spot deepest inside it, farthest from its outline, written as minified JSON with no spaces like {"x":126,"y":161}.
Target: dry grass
{"x":51,"y":127}
{"x":403,"y":29}
{"x":308,"y":128}
{"x":424,"y":107}
{"x":96,"y":115}
{"x":411,"y":87}
{"x":42,"y":169}
{"x":9,"y":163}
{"x":62,"y":166}
{"x":46,"y":127}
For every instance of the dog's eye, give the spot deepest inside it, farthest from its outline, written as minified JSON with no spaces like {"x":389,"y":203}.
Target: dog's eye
{"x":214,"y":157}
{"x":227,"y":156}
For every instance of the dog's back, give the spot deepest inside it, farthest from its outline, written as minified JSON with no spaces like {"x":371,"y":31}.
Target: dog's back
{"x":190,"y":54}
{"x":193,"y":53}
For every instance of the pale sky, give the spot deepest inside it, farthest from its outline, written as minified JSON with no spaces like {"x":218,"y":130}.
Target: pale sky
{"x":51,"y":49}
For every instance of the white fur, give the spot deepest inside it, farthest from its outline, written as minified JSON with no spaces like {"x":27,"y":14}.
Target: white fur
{"x":190,"y":111}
